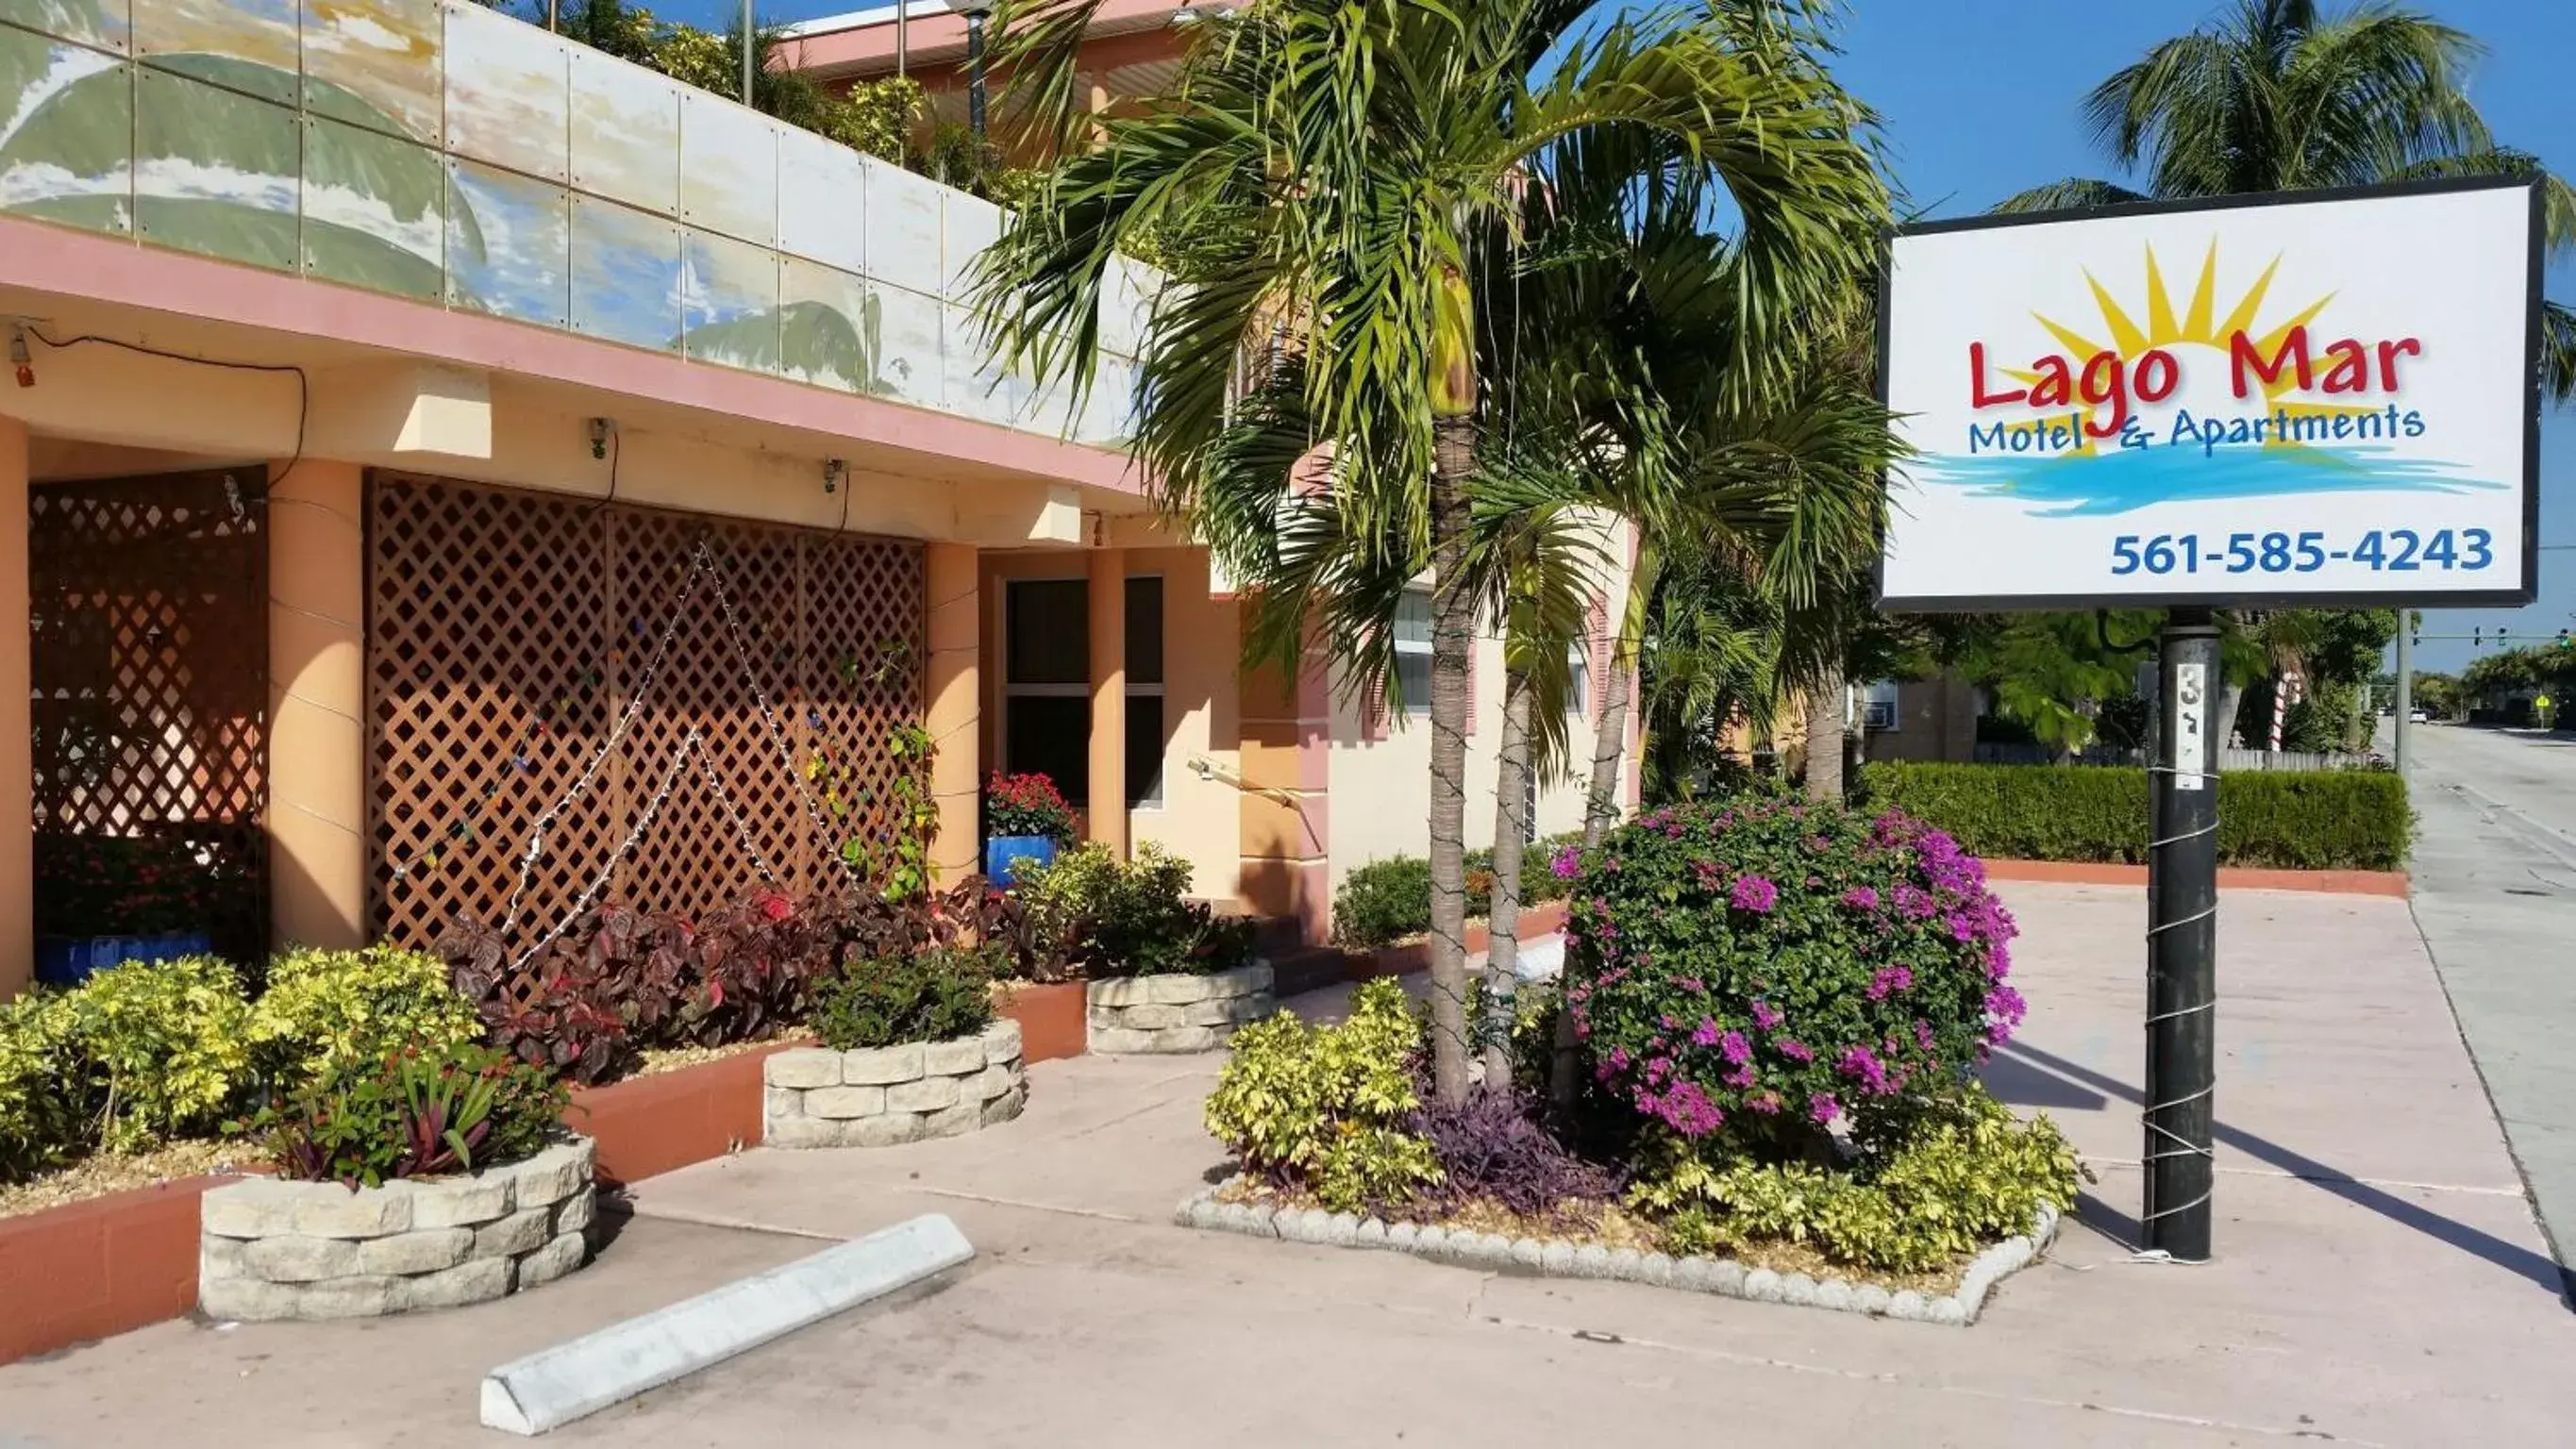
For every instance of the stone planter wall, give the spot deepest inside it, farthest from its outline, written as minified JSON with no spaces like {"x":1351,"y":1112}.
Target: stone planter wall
{"x":271,"y":1249}
{"x":1145,"y":1014}
{"x":816,"y":1097}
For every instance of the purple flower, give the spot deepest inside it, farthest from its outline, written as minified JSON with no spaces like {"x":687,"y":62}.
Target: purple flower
{"x":1862,"y":1065}
{"x":1735,"y":1048}
{"x":1706,"y":1033}
{"x":1794,"y":1049}
{"x":1891,"y":978}
{"x":1823,"y":1108}
{"x":1767,"y":1104}
{"x":1565,"y":863}
{"x":1766,"y":1016}
{"x":1861,"y":898}
{"x":1687,"y":1110}
{"x":1923,"y":1035}
{"x":1741,"y":1078}
{"x":1753,"y":893}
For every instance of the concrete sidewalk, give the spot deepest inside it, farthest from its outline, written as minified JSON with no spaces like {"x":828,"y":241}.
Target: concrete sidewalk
{"x":2381,"y":1280}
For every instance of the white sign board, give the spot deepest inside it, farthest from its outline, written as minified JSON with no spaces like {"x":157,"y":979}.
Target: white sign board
{"x":2332,"y":399}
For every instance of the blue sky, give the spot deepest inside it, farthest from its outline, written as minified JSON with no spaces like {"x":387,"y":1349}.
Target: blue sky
{"x":1982,"y":98}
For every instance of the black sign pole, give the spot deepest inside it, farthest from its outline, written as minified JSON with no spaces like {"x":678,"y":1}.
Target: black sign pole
{"x":2182,"y":942}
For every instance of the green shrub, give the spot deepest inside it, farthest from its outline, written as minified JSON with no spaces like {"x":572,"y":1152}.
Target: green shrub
{"x":1766,"y":967}
{"x":1928,"y":1186}
{"x":328,"y":1010}
{"x":934,"y":994}
{"x":1388,"y":900}
{"x":1133,"y":918}
{"x":2303,"y":820}
{"x":417,"y":1113}
{"x":1382,"y":901}
{"x":160,"y":1045}
{"x":40,"y":1113}
{"x":1323,"y":1107}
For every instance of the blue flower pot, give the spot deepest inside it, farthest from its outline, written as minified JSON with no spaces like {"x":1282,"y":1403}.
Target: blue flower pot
{"x":71,"y":960}
{"x":1005,"y":856}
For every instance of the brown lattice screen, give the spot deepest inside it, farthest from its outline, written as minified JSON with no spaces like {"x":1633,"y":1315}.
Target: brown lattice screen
{"x":148,"y":653}
{"x":642,"y":695}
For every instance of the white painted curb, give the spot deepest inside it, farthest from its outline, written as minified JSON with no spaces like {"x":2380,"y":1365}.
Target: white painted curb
{"x":555,"y":1386}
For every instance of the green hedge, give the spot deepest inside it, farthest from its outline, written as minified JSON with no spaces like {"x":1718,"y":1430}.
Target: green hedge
{"x":2302,"y":820}
{"x":1388,"y":900}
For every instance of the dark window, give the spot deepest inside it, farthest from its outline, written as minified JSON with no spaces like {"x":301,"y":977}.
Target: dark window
{"x":1144,"y":750}
{"x":1051,"y":734}
{"x":1049,"y":632}
{"x":1145,"y":630}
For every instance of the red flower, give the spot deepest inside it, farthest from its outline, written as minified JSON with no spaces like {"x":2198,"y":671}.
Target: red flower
{"x":776,"y":907}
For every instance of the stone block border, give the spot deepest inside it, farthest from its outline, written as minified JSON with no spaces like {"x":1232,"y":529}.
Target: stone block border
{"x":273,"y":1249}
{"x":816,"y":1097}
{"x":1557,"y":1258}
{"x":1170,"y":1014}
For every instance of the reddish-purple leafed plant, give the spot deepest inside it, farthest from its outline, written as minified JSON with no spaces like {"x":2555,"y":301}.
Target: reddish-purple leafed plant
{"x":1493,"y":1148}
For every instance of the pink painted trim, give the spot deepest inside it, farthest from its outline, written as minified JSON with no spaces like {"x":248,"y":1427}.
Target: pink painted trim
{"x":103,"y":269}
{"x":2230,"y":877}
{"x":939,"y":37}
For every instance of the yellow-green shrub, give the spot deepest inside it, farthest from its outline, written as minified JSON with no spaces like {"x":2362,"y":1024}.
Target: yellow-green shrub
{"x":1933,"y":1185}
{"x":40,"y":1118}
{"x":1323,"y":1107}
{"x":160,"y":1044}
{"x":332,"y":1009}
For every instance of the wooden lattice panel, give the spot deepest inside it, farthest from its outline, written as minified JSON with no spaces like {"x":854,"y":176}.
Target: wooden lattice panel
{"x":529,"y":655}
{"x":148,"y":653}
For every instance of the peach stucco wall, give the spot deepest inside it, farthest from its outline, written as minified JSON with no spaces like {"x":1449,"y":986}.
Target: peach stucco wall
{"x":1393,"y":775}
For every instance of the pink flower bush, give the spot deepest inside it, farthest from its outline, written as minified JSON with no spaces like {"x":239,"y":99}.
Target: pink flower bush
{"x":1770,"y":958}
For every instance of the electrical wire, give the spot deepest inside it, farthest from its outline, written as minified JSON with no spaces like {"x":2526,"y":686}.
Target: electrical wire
{"x":303,"y":380}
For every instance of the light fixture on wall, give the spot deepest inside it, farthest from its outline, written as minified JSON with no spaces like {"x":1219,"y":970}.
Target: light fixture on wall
{"x":834,"y":470}
{"x":599,"y":430}
{"x":19,"y":358}
{"x":976,"y":12}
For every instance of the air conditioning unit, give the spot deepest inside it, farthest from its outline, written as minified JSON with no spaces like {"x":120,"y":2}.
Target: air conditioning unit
{"x":1879,"y":714}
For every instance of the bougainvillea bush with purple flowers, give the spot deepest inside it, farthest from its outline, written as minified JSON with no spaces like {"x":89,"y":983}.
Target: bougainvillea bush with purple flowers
{"x":1752,"y":974}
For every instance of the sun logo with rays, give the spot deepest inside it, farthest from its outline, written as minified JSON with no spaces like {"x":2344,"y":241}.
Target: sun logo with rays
{"x":2162,"y":373}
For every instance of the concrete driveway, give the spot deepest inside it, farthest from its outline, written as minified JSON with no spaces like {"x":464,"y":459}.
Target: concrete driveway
{"x":2381,"y":1279}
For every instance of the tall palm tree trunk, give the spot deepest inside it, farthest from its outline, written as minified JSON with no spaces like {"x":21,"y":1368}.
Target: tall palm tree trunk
{"x":1609,"y":742}
{"x":1825,"y":739}
{"x":1453,"y":622}
{"x":1502,"y":919}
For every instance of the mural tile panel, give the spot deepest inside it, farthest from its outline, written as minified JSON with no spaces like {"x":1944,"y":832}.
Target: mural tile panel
{"x":976,"y":386}
{"x":107,"y":24}
{"x":829,"y":328}
{"x":1108,"y":419}
{"x":508,"y":245}
{"x":215,"y":171}
{"x":1125,"y":303}
{"x":903,"y":227}
{"x":729,"y":302}
{"x":822,"y":200}
{"x":625,"y":274}
{"x":908,"y":359}
{"x":375,"y":210}
{"x":377,"y":64}
{"x":728,"y":169}
{"x":246,"y":45}
{"x":509,"y":98}
{"x":625,"y":132}
{"x":68,"y":157}
{"x":968,"y":225}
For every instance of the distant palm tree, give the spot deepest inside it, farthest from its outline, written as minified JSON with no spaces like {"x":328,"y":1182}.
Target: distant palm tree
{"x":2279,"y":95}
{"x":1350,"y":166}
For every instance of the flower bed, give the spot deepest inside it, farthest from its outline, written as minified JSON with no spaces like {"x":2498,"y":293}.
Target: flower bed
{"x":1774,"y":1010}
{"x":1219,"y":1208}
{"x":1148,"y":1015}
{"x":275,"y":1249}
{"x":881,"y":1096}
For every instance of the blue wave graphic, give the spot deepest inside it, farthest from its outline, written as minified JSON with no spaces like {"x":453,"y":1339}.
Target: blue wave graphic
{"x":2132,"y":478}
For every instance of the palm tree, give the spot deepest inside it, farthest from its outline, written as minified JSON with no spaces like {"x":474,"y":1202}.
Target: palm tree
{"x":2281,"y":95}
{"x":1359,"y":164}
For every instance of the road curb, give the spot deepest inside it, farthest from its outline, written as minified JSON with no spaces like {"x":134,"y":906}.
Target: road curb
{"x":2391,"y":883}
{"x":555,"y":1386}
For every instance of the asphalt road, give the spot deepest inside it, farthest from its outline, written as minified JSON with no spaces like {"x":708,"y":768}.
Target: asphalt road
{"x":2495,"y":895}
